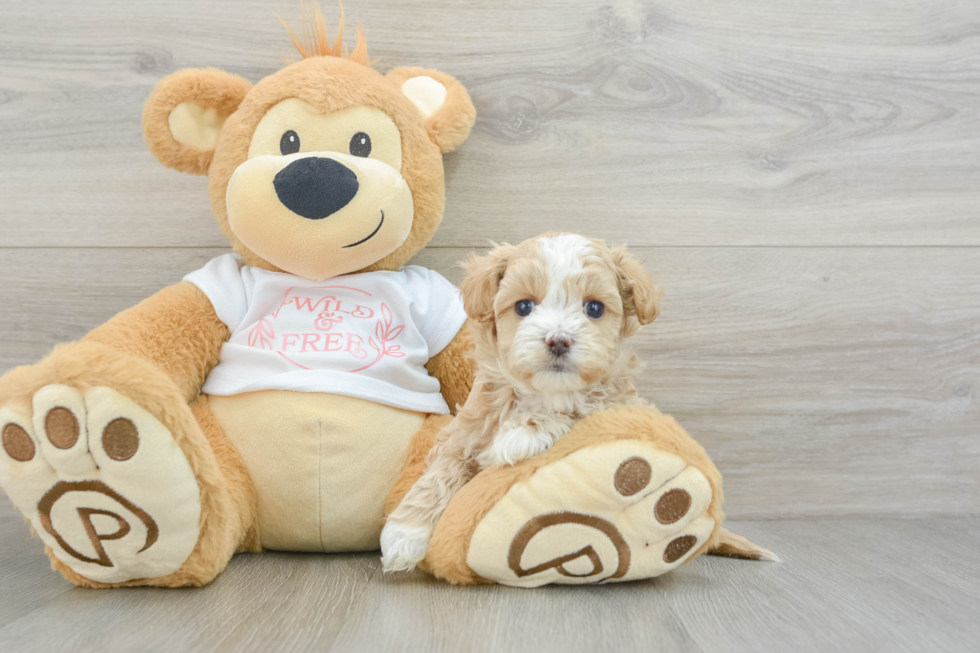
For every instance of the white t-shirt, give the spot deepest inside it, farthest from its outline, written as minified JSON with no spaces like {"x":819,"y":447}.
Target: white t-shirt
{"x":366,"y":335}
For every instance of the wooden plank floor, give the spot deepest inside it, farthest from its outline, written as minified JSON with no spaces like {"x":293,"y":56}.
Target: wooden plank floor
{"x":842,"y":585}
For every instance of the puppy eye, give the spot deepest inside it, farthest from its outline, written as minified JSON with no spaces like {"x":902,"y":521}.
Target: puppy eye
{"x":524,"y":307}
{"x":594,"y":309}
{"x":289,"y":143}
{"x":360,"y":144}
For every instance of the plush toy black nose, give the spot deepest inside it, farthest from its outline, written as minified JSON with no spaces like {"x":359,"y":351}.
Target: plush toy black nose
{"x":315,"y":187}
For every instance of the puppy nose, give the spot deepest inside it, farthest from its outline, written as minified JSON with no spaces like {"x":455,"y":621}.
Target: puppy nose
{"x":558,"y":345}
{"x":315,"y":187}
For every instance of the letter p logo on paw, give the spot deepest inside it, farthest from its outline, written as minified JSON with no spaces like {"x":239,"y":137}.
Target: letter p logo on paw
{"x":85,"y":534}
{"x":584,"y":562}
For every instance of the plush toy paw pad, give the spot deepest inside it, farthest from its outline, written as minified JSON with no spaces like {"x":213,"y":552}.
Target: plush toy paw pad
{"x":615,"y":511}
{"x":102,"y":481}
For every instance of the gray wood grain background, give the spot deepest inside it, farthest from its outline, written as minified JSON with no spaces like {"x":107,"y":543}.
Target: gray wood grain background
{"x":802,"y":177}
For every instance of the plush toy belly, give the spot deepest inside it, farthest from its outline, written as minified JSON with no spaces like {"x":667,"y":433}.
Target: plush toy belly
{"x":323,"y":464}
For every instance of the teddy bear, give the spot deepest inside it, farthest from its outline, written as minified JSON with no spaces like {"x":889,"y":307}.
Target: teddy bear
{"x":285,"y":396}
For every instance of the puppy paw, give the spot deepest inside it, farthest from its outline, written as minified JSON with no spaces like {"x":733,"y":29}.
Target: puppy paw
{"x":403,"y":546}
{"x":514,"y":445}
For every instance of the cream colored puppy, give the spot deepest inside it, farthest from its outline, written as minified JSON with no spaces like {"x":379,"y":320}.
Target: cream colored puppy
{"x":550,"y":318}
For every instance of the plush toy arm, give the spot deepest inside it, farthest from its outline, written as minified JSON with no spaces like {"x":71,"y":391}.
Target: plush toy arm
{"x":176,"y":329}
{"x":455,"y":368}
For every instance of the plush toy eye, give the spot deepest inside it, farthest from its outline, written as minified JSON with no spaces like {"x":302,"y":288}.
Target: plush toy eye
{"x":289,"y":143}
{"x":360,"y":144}
{"x":524,"y":307}
{"x":594,"y":309}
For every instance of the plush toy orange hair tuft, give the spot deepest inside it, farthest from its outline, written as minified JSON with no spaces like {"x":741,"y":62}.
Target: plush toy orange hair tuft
{"x":317,"y":43}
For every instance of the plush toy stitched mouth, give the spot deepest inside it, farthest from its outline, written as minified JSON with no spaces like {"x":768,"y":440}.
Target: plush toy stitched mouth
{"x":371,"y":235}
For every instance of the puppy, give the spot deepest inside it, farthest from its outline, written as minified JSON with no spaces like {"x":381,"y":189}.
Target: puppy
{"x":549,"y":317}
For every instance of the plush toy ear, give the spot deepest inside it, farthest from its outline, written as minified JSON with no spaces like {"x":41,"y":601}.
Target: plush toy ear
{"x":446,"y":108}
{"x":484,"y":274}
{"x":641,"y":297}
{"x":184,"y":115}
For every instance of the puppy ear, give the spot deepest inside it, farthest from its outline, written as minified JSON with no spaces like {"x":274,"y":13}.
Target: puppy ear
{"x":641,"y":297}
{"x":184,"y":115}
{"x":483,"y":276}
{"x":446,"y":108}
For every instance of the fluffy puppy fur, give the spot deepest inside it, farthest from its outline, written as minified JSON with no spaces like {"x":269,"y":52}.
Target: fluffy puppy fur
{"x":550,"y":316}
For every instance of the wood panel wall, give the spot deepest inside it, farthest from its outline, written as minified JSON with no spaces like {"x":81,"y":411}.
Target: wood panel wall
{"x":802,"y":177}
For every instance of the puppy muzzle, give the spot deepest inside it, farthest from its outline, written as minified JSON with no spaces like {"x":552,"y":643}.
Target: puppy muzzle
{"x":558,"y":345}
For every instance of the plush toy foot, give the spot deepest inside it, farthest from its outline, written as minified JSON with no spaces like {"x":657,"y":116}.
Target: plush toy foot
{"x":611,"y":512}
{"x":626,"y":495}
{"x":102,"y":482}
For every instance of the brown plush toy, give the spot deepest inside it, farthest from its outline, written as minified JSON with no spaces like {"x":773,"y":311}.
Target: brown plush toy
{"x":284,"y":397}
